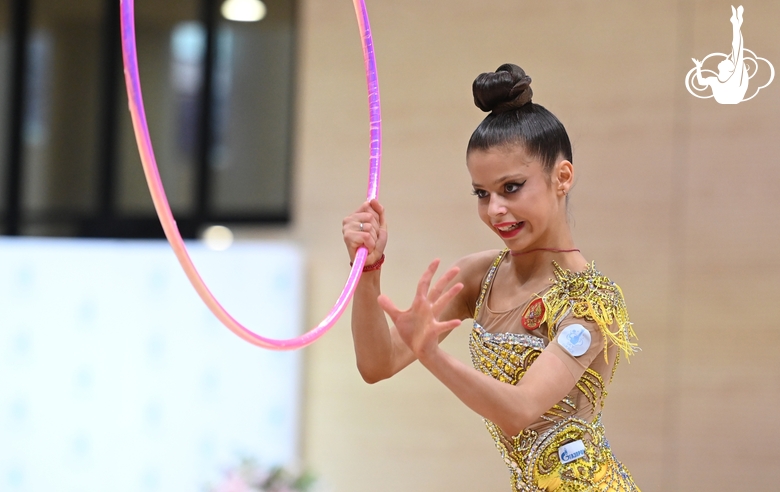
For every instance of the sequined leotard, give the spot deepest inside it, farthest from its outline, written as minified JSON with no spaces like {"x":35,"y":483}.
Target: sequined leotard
{"x":504,"y":344}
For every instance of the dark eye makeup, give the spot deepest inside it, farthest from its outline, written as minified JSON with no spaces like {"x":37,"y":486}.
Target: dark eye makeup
{"x":508,"y":188}
{"x":513,"y":187}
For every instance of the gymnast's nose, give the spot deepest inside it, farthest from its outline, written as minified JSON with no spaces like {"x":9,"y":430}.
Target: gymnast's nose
{"x":496,"y":206}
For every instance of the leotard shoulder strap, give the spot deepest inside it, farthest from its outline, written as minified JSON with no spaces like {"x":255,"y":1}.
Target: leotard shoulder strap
{"x":491,"y":273}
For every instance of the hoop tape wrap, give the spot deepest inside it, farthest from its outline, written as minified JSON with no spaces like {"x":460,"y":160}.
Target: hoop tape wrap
{"x":132,"y":80}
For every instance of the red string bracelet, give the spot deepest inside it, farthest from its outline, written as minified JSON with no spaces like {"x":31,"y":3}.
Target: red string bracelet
{"x":374,"y":266}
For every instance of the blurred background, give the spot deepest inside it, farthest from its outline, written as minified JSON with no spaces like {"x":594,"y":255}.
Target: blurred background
{"x":261,"y":126}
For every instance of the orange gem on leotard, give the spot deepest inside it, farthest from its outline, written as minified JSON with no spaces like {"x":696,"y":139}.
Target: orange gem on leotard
{"x":533,"y":316}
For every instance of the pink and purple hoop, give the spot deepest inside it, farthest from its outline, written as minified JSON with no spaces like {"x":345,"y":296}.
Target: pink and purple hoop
{"x":133,"y":82}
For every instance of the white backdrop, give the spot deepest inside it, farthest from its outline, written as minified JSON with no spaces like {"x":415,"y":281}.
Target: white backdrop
{"x":115,"y":377}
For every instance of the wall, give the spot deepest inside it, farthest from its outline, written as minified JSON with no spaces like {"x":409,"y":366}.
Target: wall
{"x":676,"y":201}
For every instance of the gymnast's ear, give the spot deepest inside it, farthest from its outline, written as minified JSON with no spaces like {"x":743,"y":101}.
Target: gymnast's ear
{"x":563,"y":175}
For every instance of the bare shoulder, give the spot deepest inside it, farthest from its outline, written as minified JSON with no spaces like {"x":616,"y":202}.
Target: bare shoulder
{"x":472,"y":270}
{"x":476,"y":264}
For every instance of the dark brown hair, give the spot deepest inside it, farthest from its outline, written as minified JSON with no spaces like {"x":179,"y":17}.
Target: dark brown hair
{"x":514,"y":119}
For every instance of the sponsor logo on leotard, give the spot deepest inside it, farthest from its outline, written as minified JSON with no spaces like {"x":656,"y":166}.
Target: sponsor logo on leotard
{"x":572,"y":451}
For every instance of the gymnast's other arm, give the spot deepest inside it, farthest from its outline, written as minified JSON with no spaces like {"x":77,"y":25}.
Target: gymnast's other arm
{"x":703,"y":81}
{"x":512,"y":408}
{"x":380,"y":351}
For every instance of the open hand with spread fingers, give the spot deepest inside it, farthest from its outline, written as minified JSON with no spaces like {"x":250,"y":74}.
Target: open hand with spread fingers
{"x":419,"y":326}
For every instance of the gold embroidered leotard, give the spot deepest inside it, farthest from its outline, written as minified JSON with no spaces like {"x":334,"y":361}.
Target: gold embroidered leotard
{"x":565,"y":450}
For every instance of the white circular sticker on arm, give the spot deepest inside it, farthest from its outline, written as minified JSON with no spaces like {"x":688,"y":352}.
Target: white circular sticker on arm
{"x":575,"y":339}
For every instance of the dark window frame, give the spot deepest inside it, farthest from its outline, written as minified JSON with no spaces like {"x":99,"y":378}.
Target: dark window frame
{"x":108,"y":221}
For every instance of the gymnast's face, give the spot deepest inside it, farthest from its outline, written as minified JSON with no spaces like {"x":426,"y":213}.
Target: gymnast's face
{"x":517,"y":198}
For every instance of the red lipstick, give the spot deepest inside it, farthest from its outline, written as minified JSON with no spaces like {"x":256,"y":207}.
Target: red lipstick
{"x":508,"y":232}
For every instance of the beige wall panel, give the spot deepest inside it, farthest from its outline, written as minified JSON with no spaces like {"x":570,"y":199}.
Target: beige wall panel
{"x":728,"y":371}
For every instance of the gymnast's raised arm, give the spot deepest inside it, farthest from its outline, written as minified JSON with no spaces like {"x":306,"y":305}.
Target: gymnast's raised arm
{"x":379,"y":350}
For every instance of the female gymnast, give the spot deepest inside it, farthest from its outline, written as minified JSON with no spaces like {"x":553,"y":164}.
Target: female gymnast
{"x":548,"y":327}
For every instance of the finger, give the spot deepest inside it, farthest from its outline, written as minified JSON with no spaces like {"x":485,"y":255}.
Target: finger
{"x":444,"y":326}
{"x":381,"y":239}
{"x":387,"y":306}
{"x":442,"y":302}
{"x":440,"y":284}
{"x":353,"y":221}
{"x":370,"y":229}
{"x":364,"y":208}
{"x":375,"y":210}
{"x":354,"y":239}
{"x":368,"y":217}
{"x":380,"y":211}
{"x":381,"y":224}
{"x":366,"y":227}
{"x":359,"y":224}
{"x":425,"y":281}
{"x":368,"y":241}
{"x":365,"y":222}
{"x":377,"y":207}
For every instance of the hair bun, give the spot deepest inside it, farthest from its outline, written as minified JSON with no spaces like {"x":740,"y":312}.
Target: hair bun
{"x":505,"y":89}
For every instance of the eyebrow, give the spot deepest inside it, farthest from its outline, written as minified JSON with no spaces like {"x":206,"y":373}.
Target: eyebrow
{"x":502,"y":179}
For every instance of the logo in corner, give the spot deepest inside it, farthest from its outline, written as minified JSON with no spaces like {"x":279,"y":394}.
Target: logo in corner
{"x":735,"y":71}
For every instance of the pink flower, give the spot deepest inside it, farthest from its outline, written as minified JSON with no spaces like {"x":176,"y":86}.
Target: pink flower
{"x":233,"y":483}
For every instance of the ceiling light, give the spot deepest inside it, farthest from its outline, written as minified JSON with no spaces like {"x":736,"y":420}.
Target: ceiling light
{"x":243,"y":10}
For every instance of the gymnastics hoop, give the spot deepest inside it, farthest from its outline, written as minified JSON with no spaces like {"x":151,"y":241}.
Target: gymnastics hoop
{"x":141,"y":129}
